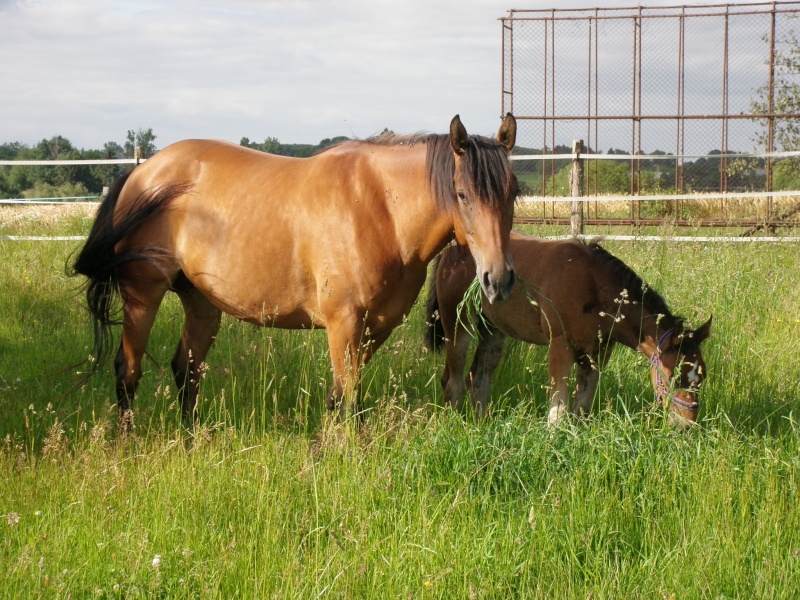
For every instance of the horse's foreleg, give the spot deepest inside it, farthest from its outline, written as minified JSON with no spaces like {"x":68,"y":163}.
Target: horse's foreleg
{"x":560,"y":363}
{"x":350,"y":349}
{"x":200,"y":328}
{"x":139,"y":313}
{"x":487,"y":357}
{"x":586,"y":377}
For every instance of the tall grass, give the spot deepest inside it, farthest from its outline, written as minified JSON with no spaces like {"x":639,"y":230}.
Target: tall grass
{"x":269,"y":499}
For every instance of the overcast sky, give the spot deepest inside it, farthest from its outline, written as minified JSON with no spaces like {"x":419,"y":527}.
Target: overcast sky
{"x":297,"y":70}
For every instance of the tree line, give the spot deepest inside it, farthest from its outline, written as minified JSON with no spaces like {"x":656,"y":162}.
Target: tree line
{"x":67,"y":181}
{"x":70,"y":181}
{"x":654,"y":176}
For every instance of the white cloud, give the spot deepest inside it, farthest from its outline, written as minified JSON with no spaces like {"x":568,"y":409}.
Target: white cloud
{"x":297,"y":70}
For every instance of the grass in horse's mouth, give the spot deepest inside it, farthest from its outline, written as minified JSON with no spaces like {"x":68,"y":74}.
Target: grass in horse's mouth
{"x":472,"y":305}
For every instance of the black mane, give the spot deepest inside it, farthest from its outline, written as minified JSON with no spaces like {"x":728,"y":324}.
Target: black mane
{"x":487,"y":171}
{"x":626,"y":278}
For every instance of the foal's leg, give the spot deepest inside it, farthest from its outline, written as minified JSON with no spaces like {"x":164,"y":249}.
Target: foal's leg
{"x":200,"y":328}
{"x":139,"y":312}
{"x":455,"y":361}
{"x":560,"y":363}
{"x":487,"y":357}
{"x":586,"y":378}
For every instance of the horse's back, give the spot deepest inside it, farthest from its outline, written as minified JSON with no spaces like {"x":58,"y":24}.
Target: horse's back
{"x":552,"y":265}
{"x":277,"y":240}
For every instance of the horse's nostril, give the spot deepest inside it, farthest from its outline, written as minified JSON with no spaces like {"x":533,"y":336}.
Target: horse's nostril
{"x":512,"y":279}
{"x":486,"y":285}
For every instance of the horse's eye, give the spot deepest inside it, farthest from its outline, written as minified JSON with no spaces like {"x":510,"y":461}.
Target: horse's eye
{"x":462,"y":196}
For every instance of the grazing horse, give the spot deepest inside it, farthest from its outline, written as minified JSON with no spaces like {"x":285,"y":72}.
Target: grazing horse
{"x":339,"y":241}
{"x":579,"y":300}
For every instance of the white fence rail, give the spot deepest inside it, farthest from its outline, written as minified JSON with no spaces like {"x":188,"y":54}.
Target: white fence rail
{"x":80,"y":161}
{"x":690,"y":197}
{"x":661,"y":157}
{"x":56,"y":163}
{"x":93,"y":200}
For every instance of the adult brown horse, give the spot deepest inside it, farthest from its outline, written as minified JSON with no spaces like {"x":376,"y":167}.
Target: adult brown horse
{"x":579,"y":300}
{"x":338,"y":241}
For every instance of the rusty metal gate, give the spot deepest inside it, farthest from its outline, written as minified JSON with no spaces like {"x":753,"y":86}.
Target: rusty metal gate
{"x":704,"y":87}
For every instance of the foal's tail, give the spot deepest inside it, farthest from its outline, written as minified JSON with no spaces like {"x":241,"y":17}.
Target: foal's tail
{"x":99,"y":262}
{"x":434,"y":332}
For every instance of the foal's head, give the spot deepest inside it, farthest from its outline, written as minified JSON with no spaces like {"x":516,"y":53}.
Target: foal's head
{"x":479,"y":188}
{"x":677,"y":369}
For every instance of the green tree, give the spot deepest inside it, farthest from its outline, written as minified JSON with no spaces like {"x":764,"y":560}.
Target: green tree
{"x":55,"y":148}
{"x":104,"y":175}
{"x":786,"y":175}
{"x":273,"y":146}
{"x":144,"y":139}
{"x":785,"y":99}
{"x":41,"y":189}
{"x":603,"y":177}
{"x":113,"y":150}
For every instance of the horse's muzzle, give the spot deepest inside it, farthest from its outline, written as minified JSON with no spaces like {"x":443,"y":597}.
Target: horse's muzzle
{"x":498,"y":290}
{"x":683,"y":410}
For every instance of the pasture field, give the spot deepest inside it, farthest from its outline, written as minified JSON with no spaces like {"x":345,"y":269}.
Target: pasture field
{"x":267,"y":498}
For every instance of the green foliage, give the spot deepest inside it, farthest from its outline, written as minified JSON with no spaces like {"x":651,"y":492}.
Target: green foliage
{"x":785,"y":99}
{"x":144,"y":139}
{"x":649,"y":177}
{"x":786,"y":174}
{"x":42,"y":189}
{"x":273,"y":146}
{"x":703,"y":174}
{"x":65,"y":180}
{"x":785,"y":95}
{"x":602,"y":177}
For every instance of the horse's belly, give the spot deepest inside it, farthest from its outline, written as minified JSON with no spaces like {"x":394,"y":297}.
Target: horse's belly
{"x":521,"y":323}
{"x":259,"y":298}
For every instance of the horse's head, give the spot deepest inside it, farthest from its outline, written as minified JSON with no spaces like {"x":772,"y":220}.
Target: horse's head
{"x":486,"y":189}
{"x":677,"y":360}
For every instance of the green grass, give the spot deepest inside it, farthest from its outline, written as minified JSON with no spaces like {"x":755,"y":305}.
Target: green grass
{"x":269,"y":499}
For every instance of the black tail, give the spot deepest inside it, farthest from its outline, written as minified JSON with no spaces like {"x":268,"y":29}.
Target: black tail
{"x":99,"y":262}
{"x":434,"y":333}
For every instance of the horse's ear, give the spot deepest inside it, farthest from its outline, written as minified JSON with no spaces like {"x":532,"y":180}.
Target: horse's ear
{"x":507,"y":135}
{"x":703,"y":332}
{"x":459,"y":138}
{"x":691,"y":339}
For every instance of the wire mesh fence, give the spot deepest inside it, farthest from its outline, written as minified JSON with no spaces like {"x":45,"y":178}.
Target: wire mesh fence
{"x":707,"y":93}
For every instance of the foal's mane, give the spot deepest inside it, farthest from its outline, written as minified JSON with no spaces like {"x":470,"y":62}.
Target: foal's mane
{"x":488,"y":174}
{"x":627,"y":279}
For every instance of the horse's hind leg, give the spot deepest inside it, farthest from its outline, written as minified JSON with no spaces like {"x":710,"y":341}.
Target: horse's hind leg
{"x":487,"y":357}
{"x":200,"y":328}
{"x":139,"y":312}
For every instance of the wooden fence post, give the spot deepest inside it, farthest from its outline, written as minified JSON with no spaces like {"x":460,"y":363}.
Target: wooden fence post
{"x":576,"y":190}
